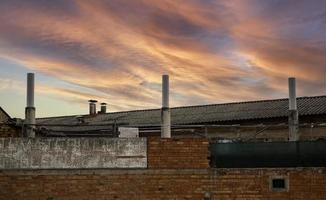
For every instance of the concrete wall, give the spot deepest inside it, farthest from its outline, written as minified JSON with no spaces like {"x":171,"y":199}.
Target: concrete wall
{"x":72,"y":153}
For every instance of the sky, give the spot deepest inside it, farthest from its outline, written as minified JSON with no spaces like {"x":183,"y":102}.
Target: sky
{"x":115,"y":51}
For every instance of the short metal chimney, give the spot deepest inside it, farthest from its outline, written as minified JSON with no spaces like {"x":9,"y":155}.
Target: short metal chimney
{"x":293,"y":112}
{"x":92,"y":107}
{"x":165,"y":112}
{"x":103,"y":108}
{"x":29,"y":124}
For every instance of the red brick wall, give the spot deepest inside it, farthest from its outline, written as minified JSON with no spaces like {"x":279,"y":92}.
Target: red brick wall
{"x":187,"y":153}
{"x":8,"y":131}
{"x":178,"y":169}
{"x":162,"y":184}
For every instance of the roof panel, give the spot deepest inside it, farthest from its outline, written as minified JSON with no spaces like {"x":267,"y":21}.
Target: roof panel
{"x":203,"y":113}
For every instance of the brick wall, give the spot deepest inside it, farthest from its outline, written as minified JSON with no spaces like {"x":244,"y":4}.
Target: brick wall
{"x":168,"y":177}
{"x":8,"y":131}
{"x":187,"y":153}
{"x":222,"y":184}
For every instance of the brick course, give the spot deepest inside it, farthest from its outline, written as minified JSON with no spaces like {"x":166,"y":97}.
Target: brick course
{"x":186,"y":153}
{"x":226,"y":184}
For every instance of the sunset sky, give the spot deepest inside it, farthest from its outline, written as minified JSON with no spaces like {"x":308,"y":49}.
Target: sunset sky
{"x":115,"y":51}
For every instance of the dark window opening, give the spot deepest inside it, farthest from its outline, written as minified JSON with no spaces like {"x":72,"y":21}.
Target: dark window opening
{"x":278,"y":183}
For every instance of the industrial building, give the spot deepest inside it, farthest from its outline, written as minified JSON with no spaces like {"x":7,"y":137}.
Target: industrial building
{"x":265,"y":120}
{"x":8,"y":126}
{"x":270,"y":149}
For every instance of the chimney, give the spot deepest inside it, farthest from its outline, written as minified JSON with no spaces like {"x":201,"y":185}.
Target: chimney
{"x":293,"y":112}
{"x":103,"y":108}
{"x":29,"y":124}
{"x":165,"y":112}
{"x":92,"y":107}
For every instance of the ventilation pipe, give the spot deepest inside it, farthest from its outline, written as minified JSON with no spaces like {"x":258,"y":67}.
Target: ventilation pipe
{"x":103,"y":108}
{"x":29,"y":124}
{"x":293,"y":112}
{"x":165,"y":112}
{"x":92,"y":107}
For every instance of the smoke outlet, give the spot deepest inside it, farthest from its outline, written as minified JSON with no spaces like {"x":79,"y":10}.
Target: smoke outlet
{"x":103,"y":108}
{"x":165,"y":112}
{"x":92,"y":107}
{"x":29,"y":124}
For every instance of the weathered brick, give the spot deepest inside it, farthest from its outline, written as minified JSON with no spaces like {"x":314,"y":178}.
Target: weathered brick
{"x":181,"y":153}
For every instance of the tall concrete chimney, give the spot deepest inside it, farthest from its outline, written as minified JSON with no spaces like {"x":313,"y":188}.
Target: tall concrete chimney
{"x":103,"y":108}
{"x":29,"y":123}
{"x":293,"y":112}
{"x":92,"y":107}
{"x":165,"y":112}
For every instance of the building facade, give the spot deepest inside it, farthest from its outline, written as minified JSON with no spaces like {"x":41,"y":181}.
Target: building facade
{"x":7,"y":126}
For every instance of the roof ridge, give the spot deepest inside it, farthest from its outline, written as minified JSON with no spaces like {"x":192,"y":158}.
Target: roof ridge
{"x":250,"y":101}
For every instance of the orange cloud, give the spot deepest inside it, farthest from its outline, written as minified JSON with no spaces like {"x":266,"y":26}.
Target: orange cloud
{"x":215,"y":51}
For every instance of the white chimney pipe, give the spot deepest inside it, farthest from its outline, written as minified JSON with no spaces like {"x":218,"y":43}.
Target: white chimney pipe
{"x":165,"y":112}
{"x":293,"y":112}
{"x":30,"y":90}
{"x":30,"y":109}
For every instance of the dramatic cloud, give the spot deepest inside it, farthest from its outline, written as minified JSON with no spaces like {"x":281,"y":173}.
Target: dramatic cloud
{"x":214,"y":50}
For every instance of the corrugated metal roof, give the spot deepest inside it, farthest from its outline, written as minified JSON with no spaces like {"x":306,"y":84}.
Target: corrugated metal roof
{"x":218,"y":113}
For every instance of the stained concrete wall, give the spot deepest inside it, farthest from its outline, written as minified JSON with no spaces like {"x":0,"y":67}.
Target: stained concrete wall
{"x":72,"y":153}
